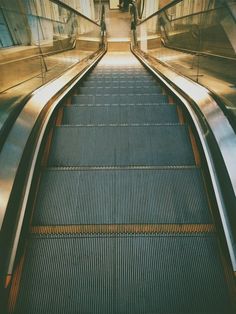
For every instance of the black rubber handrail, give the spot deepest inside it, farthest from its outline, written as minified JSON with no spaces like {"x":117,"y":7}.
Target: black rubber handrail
{"x":179,"y":18}
{"x":141,"y":9}
{"x":197,"y":13}
{"x":102,"y":19}
{"x":199,"y":52}
{"x":173,"y":3}
{"x":169,"y":5}
{"x":230,"y":11}
{"x":40,"y":54}
{"x":62,"y":4}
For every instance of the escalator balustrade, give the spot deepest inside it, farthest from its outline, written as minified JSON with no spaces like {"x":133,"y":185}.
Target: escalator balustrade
{"x":121,"y":222}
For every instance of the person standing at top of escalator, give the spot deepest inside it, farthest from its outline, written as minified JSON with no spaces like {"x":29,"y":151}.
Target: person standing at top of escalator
{"x":126,"y":5}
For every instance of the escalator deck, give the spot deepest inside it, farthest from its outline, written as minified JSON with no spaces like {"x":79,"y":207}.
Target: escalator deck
{"x":122,"y":221}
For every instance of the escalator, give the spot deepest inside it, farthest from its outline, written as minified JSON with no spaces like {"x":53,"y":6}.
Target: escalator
{"x":122,"y":221}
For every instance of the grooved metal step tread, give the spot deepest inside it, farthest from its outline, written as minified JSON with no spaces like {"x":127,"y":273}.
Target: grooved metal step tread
{"x":128,"y":76}
{"x":114,"y":66}
{"x":123,"y":274}
{"x":119,"y":69}
{"x":120,"y":72}
{"x":120,"y":105}
{"x":121,"y":83}
{"x":120,"y":99}
{"x":119,"y":114}
{"x":115,"y":80}
{"x":134,"y":77}
{"x":119,"y":90}
{"x":121,"y":196}
{"x":120,"y":146}
{"x":139,"y":69}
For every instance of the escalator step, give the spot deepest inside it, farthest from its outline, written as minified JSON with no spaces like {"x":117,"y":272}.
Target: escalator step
{"x":113,"y":67}
{"x":134,"y":78}
{"x":119,"y":90}
{"x":119,"y":83}
{"x":121,"y":72}
{"x":123,"y":274}
{"x":131,"y":76}
{"x":138,"y":70}
{"x":121,"y":146}
{"x":121,"y":197}
{"x":120,"y":99}
{"x":120,"y":114}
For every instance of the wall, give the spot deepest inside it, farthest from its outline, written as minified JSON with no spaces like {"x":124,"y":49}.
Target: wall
{"x":151,"y":6}
{"x":86,"y":7}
